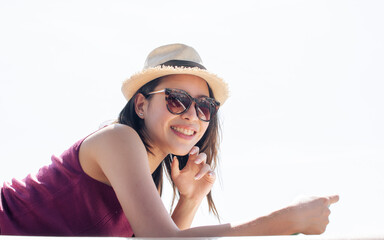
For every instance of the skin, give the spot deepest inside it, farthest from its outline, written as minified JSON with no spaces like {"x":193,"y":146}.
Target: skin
{"x":116,"y":156}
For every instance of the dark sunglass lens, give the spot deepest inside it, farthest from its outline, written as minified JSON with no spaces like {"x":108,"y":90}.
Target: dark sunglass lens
{"x":178,"y":102}
{"x":204,"y":110}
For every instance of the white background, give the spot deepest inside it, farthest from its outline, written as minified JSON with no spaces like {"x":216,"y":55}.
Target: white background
{"x":305,"y":114}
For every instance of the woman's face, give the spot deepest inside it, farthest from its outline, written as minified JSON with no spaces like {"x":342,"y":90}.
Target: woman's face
{"x":171,"y":133}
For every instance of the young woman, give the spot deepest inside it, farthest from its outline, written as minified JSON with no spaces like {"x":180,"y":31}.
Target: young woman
{"x":108,"y":183}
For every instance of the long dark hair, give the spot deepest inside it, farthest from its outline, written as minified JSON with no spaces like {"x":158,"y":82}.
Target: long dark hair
{"x":209,"y":143}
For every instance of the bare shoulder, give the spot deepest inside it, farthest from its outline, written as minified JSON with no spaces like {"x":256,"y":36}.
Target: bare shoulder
{"x":110,"y":144}
{"x":119,"y":131}
{"x":115,"y":135}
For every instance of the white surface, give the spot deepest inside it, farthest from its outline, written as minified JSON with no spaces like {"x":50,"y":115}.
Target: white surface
{"x":306,"y":111}
{"x":299,"y":237}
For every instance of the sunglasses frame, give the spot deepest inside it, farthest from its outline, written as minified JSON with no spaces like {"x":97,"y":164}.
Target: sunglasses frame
{"x":213,"y":103}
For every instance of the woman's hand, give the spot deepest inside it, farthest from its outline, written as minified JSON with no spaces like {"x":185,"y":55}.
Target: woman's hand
{"x":196,"y":179}
{"x":311,"y":214}
{"x":193,"y":182}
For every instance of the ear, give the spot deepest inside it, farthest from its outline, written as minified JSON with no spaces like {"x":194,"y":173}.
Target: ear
{"x":140,"y":105}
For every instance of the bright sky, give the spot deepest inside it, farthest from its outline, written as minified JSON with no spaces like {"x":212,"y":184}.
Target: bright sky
{"x":305,"y":115}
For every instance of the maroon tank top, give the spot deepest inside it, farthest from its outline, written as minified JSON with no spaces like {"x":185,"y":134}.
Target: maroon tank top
{"x":61,"y":200}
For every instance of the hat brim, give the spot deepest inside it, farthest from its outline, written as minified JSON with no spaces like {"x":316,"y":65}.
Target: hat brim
{"x":136,"y":81}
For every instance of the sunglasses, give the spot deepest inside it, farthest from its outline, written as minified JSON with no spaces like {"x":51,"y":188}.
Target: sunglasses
{"x":179,"y":101}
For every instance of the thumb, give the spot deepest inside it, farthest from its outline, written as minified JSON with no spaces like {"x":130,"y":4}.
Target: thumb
{"x":333,"y":199}
{"x":175,"y":171}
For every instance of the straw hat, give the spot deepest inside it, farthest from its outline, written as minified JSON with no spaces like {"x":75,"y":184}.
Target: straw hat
{"x":174,"y":59}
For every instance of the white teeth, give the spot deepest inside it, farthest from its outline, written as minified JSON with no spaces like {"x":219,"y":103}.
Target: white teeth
{"x":183,"y":131}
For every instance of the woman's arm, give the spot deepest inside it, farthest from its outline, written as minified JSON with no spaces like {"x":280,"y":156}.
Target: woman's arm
{"x":308,"y":217}
{"x":184,"y":213}
{"x":123,"y":160}
{"x":116,"y":156}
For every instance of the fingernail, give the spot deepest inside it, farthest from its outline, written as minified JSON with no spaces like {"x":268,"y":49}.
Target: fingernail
{"x":198,"y":160}
{"x":193,"y":151}
{"x":211,"y":174}
{"x":197,"y":177}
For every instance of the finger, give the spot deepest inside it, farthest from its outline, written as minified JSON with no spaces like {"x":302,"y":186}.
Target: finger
{"x":175,"y":171}
{"x":204,"y":170}
{"x":193,"y":155}
{"x":212,"y":175}
{"x":333,"y":199}
{"x":201,"y":158}
{"x":327,"y":212}
{"x":194,"y":150}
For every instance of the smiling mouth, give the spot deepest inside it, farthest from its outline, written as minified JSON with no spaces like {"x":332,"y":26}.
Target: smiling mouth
{"x":184,"y":131}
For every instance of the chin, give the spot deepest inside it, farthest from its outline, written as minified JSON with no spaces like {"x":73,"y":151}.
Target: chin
{"x":181,"y":152}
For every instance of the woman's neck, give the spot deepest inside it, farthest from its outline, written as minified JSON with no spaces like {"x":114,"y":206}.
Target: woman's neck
{"x":155,"y":158}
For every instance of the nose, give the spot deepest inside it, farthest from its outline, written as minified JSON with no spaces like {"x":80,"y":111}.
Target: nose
{"x":191,"y":113}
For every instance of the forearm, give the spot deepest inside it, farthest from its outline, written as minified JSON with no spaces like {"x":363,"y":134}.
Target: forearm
{"x":280,"y":222}
{"x":276,"y":223}
{"x":184,"y":212}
